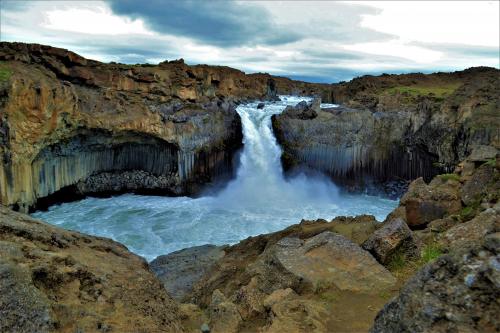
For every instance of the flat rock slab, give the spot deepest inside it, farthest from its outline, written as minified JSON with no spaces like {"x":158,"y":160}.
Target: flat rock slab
{"x":331,"y":259}
{"x":180,"y":270}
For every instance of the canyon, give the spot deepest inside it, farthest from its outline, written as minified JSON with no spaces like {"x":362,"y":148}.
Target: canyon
{"x":71,"y":127}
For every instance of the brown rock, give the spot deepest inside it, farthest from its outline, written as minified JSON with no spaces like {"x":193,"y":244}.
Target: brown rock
{"x":224,"y":315}
{"x":427,"y":202}
{"x":53,"y":280}
{"x":393,"y":237}
{"x":331,"y":259}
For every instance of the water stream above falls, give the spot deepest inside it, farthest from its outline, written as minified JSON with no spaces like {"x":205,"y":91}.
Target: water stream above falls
{"x":259,"y":200}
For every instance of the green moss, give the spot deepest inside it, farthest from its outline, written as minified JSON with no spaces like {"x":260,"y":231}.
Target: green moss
{"x":449,"y":176}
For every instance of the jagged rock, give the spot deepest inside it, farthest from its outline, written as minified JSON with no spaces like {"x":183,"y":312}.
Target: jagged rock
{"x":53,"y":280}
{"x":458,"y":292}
{"x":394,"y":236}
{"x":180,"y":270}
{"x":427,"y":202}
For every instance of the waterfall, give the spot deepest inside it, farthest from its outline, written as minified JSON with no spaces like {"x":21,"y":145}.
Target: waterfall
{"x":259,"y":200}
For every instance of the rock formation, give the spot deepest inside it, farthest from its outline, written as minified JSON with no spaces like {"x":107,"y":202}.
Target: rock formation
{"x":53,"y":280}
{"x":394,"y":126}
{"x":72,"y":126}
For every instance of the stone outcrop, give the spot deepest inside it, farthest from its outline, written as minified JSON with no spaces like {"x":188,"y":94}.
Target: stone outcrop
{"x":180,"y":270}
{"x":395,"y":127}
{"x":53,"y":280}
{"x":456,"y":293}
{"x":71,"y":126}
{"x":300,"y":279}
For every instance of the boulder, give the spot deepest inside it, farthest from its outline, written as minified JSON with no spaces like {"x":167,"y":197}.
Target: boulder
{"x":473,"y":231}
{"x":483,"y":182}
{"x":459,"y":292}
{"x":331,"y":259}
{"x":53,"y":280}
{"x":393,"y":237}
{"x":427,"y":202}
{"x":179,"y":271}
{"x":261,"y":105}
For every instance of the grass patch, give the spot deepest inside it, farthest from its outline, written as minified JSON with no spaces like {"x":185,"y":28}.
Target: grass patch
{"x":449,"y":176}
{"x":468,"y":212}
{"x":491,"y":162}
{"x":5,"y":72}
{"x":429,"y":253}
{"x":397,"y":262}
{"x":439,"y":91}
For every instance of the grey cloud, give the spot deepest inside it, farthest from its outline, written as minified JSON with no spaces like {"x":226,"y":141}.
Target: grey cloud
{"x":463,"y":50}
{"x":221,"y":23}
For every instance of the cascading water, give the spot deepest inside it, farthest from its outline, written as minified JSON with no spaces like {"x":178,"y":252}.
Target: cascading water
{"x":259,"y":200}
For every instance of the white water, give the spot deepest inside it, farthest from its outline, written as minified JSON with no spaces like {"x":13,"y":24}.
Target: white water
{"x":258,"y":201}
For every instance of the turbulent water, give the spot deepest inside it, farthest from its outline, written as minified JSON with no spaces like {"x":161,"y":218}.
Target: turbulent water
{"x":259,"y":200}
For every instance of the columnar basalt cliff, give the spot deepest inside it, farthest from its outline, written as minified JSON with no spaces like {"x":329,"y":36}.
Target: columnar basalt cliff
{"x":394,"y":126}
{"x":72,"y":126}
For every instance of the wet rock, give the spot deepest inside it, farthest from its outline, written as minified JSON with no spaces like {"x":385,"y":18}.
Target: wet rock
{"x":261,"y":105}
{"x":458,"y":292}
{"x":393,"y":237}
{"x":53,"y":280}
{"x":179,"y":271}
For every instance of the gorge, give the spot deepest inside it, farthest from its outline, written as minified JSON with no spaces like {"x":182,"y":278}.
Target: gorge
{"x":258,"y":201}
{"x":245,"y":202}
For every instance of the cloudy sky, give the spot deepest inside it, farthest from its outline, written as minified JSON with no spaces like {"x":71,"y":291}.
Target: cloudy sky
{"x":323,"y":41}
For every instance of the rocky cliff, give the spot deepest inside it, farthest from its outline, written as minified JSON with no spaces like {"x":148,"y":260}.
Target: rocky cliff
{"x":394,"y":126}
{"x":70,"y":126}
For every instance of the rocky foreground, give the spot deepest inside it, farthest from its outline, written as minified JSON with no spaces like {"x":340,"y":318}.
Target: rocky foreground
{"x":432,"y":266}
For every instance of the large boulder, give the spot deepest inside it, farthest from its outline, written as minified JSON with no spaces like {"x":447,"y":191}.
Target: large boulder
{"x":427,"y":202}
{"x":330,"y":259}
{"x":459,"y":292}
{"x":180,"y":270}
{"x":393,"y":237}
{"x":53,"y":280}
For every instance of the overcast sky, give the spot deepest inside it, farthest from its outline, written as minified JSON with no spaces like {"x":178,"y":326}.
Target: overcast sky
{"x":323,"y":41}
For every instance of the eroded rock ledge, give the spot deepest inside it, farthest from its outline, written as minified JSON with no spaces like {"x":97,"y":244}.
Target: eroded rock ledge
{"x":71,"y":126}
{"x":394,"y":127}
